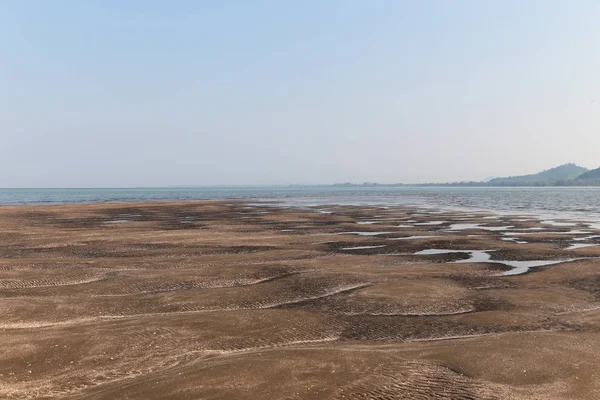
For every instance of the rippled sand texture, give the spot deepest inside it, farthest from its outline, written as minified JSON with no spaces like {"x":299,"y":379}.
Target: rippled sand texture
{"x":227,"y":300}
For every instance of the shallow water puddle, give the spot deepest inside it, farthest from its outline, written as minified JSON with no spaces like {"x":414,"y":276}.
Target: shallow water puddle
{"x":483,"y":256}
{"x":515,"y":240}
{"x":574,"y":232}
{"x":558,"y":223}
{"x":462,"y":227}
{"x":587,"y":238}
{"x":414,"y":237}
{"x":365,"y":233}
{"x":593,"y":225}
{"x":475,"y":255}
{"x":580,"y":246}
{"x":363,"y":247}
{"x":521,"y":267}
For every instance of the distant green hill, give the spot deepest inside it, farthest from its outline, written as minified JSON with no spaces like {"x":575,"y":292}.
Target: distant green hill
{"x":593,"y":175}
{"x":554,"y":176}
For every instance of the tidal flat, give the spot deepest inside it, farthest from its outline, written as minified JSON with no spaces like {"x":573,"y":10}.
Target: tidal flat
{"x":238,"y":300}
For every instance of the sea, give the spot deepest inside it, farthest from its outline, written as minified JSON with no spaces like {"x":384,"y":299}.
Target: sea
{"x":581,"y":203}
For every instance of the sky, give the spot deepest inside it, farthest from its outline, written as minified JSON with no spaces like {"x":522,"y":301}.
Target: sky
{"x":119,"y":93}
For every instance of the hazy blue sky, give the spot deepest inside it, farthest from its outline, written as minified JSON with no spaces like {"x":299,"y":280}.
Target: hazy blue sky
{"x":127,"y":93}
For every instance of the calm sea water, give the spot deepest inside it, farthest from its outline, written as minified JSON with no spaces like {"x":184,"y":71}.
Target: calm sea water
{"x":563,"y":202}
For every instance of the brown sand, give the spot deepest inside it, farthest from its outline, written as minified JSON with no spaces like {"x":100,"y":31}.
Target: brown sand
{"x":224,"y":300}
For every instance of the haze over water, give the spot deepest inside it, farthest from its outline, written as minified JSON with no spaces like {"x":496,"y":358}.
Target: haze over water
{"x":573,"y":202}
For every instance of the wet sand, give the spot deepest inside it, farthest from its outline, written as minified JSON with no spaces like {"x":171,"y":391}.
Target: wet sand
{"x":230,"y":300}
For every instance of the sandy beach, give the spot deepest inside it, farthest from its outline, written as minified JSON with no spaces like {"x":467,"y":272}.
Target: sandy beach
{"x":233,"y":300}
